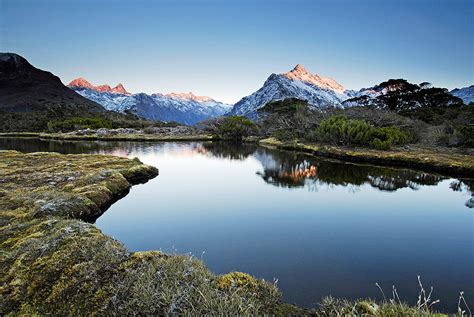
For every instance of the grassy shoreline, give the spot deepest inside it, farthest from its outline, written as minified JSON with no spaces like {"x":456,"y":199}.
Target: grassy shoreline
{"x":448,"y":163}
{"x":56,"y":262}
{"x":444,"y":161}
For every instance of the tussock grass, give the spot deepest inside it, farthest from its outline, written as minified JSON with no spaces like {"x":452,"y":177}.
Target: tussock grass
{"x":391,"y":306}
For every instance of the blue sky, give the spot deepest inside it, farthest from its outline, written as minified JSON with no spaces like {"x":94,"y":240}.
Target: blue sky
{"x":226,"y":49}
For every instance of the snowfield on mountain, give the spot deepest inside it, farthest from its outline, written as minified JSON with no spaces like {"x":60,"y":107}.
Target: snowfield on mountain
{"x":320,"y":92}
{"x":466,"y":94}
{"x":185,"y":108}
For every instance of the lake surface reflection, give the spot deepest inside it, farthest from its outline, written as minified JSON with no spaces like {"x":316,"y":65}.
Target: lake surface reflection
{"x":320,"y":227}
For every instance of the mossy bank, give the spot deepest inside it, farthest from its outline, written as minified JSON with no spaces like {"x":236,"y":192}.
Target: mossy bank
{"x":55,"y":262}
{"x":441,"y":161}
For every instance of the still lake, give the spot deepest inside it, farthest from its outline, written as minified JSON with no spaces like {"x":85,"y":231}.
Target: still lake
{"x":321,"y":227}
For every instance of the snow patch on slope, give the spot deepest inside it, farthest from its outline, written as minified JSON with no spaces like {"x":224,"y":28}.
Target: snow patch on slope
{"x":184,"y":108}
{"x":466,"y":94}
{"x":320,"y":92}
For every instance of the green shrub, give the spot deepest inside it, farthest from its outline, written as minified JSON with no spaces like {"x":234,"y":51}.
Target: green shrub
{"x":384,"y":138}
{"x":286,"y":107}
{"x":340,"y":130}
{"x":285,"y":134}
{"x":76,"y":123}
{"x":466,"y":135}
{"x":236,"y":127}
{"x":456,"y":136}
{"x":287,"y":119}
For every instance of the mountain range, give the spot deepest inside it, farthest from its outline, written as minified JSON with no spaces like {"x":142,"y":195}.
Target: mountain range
{"x":26,"y":89}
{"x":184,"y":108}
{"x":323,"y":92}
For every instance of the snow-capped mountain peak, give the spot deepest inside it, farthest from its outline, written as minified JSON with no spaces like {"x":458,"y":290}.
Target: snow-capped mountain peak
{"x":185,"y":108}
{"x":300,"y":73}
{"x":81,"y":83}
{"x":320,"y":92}
{"x":189,"y":96}
{"x":103,"y":88}
{"x":120,"y":89}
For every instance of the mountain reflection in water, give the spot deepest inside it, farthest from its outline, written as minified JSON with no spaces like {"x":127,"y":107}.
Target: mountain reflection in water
{"x":290,"y":169}
{"x":280,"y":168}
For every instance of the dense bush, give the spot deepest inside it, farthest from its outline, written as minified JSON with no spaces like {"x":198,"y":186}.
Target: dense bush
{"x":237,"y":127}
{"x":287,"y":106}
{"x":436,"y":115}
{"x":41,"y":121}
{"x":35,"y":121}
{"x":455,"y":135}
{"x":76,"y":123}
{"x":385,"y":137}
{"x":466,"y":135}
{"x":340,"y":130}
{"x":231,"y":128}
{"x":288,"y":119}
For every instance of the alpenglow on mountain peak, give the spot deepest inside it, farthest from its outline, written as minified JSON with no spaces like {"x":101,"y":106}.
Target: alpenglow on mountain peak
{"x":320,"y":92}
{"x":301,"y":73}
{"x":82,"y":83}
{"x":184,"y":108}
{"x":188,"y":96}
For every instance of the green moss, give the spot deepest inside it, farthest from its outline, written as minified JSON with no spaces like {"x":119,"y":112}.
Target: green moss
{"x":55,"y":263}
{"x":237,"y":280}
{"x":338,"y":129}
{"x":367,"y":308}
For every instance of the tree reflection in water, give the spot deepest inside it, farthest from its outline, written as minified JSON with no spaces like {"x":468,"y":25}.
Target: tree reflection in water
{"x":230,"y":150}
{"x":280,"y":168}
{"x":291,"y":170}
{"x":297,"y":170}
{"x":465,"y":185}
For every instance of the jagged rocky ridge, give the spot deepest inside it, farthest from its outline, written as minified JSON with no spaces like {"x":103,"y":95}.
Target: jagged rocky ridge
{"x":184,"y":108}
